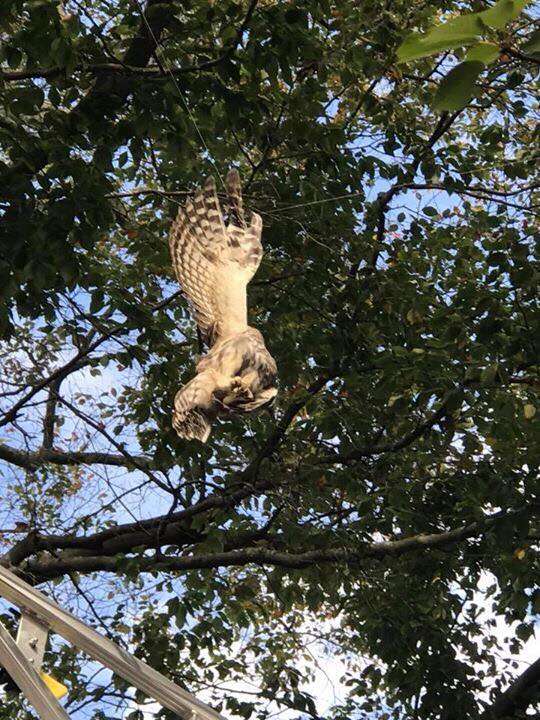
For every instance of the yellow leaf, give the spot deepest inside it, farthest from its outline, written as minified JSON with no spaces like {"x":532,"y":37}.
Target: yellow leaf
{"x":519,"y":554}
{"x":529,"y":411}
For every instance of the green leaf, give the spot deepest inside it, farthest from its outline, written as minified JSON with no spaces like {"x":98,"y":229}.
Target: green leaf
{"x":457,"y":88}
{"x":27,"y":100}
{"x":431,"y":211}
{"x":484,"y":52}
{"x":460,"y":31}
{"x":489,"y":374}
{"x":502,"y":13}
{"x":416,"y":46}
{"x":532,"y":46}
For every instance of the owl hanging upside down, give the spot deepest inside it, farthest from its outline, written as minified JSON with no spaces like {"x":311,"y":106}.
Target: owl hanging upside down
{"x":214,"y":261}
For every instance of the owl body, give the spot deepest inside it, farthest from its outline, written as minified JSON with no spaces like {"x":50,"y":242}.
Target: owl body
{"x":214,"y":263}
{"x":231,"y":297}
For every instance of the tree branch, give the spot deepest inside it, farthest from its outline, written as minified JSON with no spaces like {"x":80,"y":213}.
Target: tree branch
{"x":421,"y":429}
{"x":382,"y":203}
{"x":170,"y":528}
{"x":79,"y":361}
{"x":51,"y":568}
{"x":116,"y":90}
{"x":33,"y":460}
{"x":129,"y":459}
{"x":50,"y":414}
{"x":522,"y":692}
{"x":76,"y":363}
{"x":110,"y":68}
{"x":135,"y":59}
{"x":109,"y":92}
{"x":520,"y":56}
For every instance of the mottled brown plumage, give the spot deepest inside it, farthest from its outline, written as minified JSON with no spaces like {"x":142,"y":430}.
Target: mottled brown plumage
{"x":214,"y":258}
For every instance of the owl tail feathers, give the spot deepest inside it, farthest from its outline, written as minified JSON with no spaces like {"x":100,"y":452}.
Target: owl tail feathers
{"x":192,"y":425}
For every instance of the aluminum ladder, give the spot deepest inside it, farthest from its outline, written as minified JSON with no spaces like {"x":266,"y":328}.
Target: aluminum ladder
{"x":22,"y":658}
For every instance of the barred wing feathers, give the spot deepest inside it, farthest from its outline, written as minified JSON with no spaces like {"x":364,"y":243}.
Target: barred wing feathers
{"x":193,"y":409}
{"x":214,"y":262}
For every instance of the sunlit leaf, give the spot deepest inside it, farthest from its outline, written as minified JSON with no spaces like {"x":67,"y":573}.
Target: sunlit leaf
{"x":456,"y":33}
{"x":503,"y":12}
{"x":484,"y":52}
{"x":529,"y":411}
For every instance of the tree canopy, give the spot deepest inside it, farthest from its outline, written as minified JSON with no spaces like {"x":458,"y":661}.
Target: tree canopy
{"x":383,"y":518}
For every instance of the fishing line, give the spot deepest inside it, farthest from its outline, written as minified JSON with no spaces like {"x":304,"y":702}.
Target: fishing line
{"x":166,"y":68}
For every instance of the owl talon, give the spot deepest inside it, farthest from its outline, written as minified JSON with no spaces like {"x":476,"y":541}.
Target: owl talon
{"x":238,"y":391}
{"x":241,"y":389}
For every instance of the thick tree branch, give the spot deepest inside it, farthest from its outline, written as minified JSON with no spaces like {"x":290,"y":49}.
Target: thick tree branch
{"x":50,"y":414}
{"x":173,"y":528}
{"x":115,"y":90}
{"x":33,"y":460}
{"x":522,"y":692}
{"x":42,"y":569}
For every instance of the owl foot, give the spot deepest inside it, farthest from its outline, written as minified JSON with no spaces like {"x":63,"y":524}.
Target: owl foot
{"x":239,"y":391}
{"x":241,"y":388}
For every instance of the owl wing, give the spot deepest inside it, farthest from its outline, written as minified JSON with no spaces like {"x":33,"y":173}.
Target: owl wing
{"x":193,"y":409}
{"x":214,"y":261}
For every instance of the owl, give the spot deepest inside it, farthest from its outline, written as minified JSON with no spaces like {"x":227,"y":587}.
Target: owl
{"x":215,"y":253}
